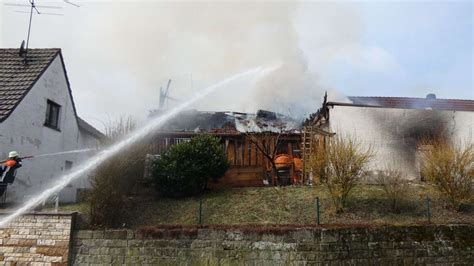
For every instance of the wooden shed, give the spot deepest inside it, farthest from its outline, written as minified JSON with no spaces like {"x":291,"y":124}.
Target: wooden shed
{"x":246,"y":138}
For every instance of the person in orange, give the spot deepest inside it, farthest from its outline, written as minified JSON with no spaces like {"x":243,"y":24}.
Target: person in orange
{"x":8,"y":169}
{"x":298,"y":170}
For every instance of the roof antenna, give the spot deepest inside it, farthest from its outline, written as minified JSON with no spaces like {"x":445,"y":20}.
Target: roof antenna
{"x":24,"y":50}
{"x":32,"y":2}
{"x":71,"y":3}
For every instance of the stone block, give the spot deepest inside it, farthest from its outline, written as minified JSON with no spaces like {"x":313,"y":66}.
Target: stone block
{"x":202,"y":244}
{"x":358,"y":246}
{"x":304,"y":236}
{"x":135,"y":243}
{"x":117,"y":251}
{"x":83,"y":234}
{"x":329,"y":235}
{"x":115,"y":243}
{"x":45,"y":242}
{"x":98,"y":234}
{"x":115,"y":234}
{"x":130,"y":234}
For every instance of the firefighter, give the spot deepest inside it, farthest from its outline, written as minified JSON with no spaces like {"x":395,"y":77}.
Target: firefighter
{"x":8,"y":170}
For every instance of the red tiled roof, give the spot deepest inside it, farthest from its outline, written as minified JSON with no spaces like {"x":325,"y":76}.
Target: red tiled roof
{"x":412,"y":103}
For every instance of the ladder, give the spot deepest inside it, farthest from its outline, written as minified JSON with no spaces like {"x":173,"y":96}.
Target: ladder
{"x":306,"y":147}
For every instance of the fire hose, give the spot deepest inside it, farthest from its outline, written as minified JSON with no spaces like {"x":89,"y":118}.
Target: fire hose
{"x":24,"y":157}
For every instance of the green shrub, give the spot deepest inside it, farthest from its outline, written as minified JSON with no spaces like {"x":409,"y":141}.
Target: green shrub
{"x":185,"y":168}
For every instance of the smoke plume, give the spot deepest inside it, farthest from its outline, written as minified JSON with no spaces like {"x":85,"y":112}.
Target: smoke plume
{"x":198,"y":43}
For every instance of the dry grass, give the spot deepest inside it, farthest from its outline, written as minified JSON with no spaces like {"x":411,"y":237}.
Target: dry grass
{"x":295,"y":205}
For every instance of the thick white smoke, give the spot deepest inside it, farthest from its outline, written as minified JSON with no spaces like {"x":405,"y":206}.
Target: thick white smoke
{"x":118,"y":54}
{"x":196,"y":44}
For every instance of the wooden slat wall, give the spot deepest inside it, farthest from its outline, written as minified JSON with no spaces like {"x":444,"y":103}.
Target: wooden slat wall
{"x":231,"y":152}
{"x":247,"y":166}
{"x":241,"y":176}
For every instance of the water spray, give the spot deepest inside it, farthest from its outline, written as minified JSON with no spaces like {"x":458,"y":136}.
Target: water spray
{"x":98,"y":159}
{"x":51,"y":154}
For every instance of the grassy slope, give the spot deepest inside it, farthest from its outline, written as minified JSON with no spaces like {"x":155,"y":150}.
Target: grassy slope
{"x":292,"y":205}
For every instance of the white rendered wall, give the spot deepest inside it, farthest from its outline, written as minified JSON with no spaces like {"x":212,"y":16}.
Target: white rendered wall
{"x":390,"y":132}
{"x":24,"y":131}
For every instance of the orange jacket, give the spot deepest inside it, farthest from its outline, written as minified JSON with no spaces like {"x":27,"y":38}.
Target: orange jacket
{"x":8,"y":170}
{"x":10,"y":163}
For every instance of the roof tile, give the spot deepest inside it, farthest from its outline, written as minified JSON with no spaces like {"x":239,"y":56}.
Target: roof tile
{"x":415,"y":103}
{"x":16,"y":77}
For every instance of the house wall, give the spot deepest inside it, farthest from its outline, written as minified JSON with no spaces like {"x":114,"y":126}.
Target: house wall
{"x":24,"y":132}
{"x":395,"y":133}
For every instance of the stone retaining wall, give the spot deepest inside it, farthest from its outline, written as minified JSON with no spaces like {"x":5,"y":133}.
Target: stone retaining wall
{"x":37,"y":239}
{"x":277,"y":246}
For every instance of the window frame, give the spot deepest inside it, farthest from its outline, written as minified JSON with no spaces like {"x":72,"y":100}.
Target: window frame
{"x":50,"y":107}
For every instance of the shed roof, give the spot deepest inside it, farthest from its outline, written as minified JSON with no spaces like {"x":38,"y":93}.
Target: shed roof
{"x":232,"y":123}
{"x":83,"y":125}
{"x":410,"y":103}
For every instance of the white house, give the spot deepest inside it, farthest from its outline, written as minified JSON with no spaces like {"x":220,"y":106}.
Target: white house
{"x":38,"y":116}
{"x":394,"y":126}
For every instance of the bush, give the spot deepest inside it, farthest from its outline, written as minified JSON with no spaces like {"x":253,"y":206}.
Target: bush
{"x":345,"y":165}
{"x":185,"y":168}
{"x":113,"y":181}
{"x":451,"y":169}
{"x":317,"y":162}
{"x":395,"y":186}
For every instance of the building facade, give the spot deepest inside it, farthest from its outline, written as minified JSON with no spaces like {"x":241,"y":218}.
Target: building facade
{"x":395,"y":127}
{"x":38,"y":117}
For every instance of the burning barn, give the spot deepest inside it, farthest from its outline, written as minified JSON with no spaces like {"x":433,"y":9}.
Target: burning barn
{"x":257,"y":145}
{"x":396,"y":126}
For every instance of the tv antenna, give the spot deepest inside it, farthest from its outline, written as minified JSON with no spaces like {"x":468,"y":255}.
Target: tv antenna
{"x":34,"y":8}
{"x":164,"y":96}
{"x":71,"y":3}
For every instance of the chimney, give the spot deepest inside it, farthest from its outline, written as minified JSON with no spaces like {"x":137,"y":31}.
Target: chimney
{"x":431,"y":96}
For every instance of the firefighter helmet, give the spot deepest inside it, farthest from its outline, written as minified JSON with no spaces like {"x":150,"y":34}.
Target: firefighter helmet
{"x":13,"y":154}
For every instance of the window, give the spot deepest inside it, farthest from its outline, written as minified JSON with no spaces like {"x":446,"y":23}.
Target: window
{"x":181,"y":140}
{"x":68,"y":165}
{"x":52,"y":115}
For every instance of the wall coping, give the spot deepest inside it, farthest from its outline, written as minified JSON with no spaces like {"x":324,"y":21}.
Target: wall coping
{"x":194,"y":231}
{"x":7,"y":212}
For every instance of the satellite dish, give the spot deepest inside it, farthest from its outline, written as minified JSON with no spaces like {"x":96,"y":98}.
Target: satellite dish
{"x":22,"y":48}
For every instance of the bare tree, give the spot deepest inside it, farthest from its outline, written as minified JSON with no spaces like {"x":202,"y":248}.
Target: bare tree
{"x":113,"y":181}
{"x":394,"y":184}
{"x":267,"y":143}
{"x":450,"y":167}
{"x":346,"y":160}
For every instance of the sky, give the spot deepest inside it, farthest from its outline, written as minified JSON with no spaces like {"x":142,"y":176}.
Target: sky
{"x":119,"y":53}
